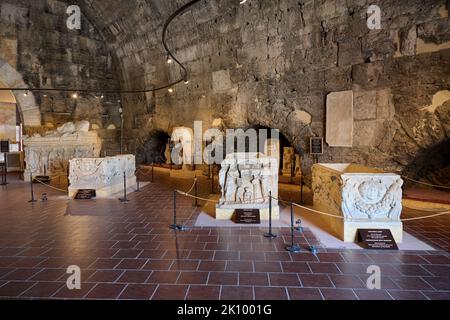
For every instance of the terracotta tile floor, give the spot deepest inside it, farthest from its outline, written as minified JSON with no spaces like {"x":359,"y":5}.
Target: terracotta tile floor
{"x":126,"y":251}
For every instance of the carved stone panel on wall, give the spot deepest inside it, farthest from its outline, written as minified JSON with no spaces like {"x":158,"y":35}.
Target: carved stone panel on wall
{"x":340,"y":119}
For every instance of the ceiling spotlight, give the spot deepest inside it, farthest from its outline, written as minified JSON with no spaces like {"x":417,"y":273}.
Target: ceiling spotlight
{"x":169,"y":59}
{"x":186,"y":81}
{"x":170,"y":90}
{"x":102,"y":96}
{"x":45,"y":96}
{"x":75,"y":95}
{"x":25,"y":93}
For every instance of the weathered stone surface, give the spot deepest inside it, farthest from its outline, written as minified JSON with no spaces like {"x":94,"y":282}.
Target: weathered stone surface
{"x":270,"y":63}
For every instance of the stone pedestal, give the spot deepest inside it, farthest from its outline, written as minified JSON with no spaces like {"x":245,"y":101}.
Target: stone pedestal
{"x":366,"y":199}
{"x":51,"y":153}
{"x":104,"y":175}
{"x":245,"y":180}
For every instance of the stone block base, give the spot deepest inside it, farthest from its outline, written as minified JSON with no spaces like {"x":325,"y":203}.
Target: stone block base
{"x":107,"y":192}
{"x":227,"y":214}
{"x":350,"y":229}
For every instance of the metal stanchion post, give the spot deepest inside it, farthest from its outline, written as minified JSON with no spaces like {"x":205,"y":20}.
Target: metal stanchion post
{"x":32,"y":189}
{"x":212,"y":180}
{"x":301,"y":189}
{"x":270,"y":234}
{"x":292,"y":169}
{"x":176,"y":226}
{"x":124,"y":199}
{"x":195,"y":193}
{"x":292,"y":248}
{"x":137,"y":182}
{"x":153,"y":171}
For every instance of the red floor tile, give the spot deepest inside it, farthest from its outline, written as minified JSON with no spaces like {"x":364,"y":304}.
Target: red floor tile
{"x":223,"y":278}
{"x":138,"y":292}
{"x":240,"y":293}
{"x":43,"y":290}
{"x":170,"y":292}
{"x":315,"y":281}
{"x":270,"y":293}
{"x":194,"y":277}
{"x":164,"y":277}
{"x":253,"y":279}
{"x":338,"y":294}
{"x":15,"y":288}
{"x":203,"y":293}
{"x":106,"y":291}
{"x":304,"y":294}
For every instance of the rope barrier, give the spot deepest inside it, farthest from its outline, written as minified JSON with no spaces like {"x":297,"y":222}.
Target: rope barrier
{"x":143,"y":173}
{"x":49,"y":186}
{"x":187,"y":194}
{"x":425,"y":183}
{"x":194,"y":197}
{"x":427,"y":217}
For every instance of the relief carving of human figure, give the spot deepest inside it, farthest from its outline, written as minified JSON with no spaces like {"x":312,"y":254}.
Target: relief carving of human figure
{"x":231,"y":184}
{"x":223,"y":180}
{"x":257,"y":192}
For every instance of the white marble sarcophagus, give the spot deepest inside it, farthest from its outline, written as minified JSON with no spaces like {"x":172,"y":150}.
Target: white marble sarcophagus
{"x":366,"y":198}
{"x":245,"y":181}
{"x":50,"y":154}
{"x":104,"y":175}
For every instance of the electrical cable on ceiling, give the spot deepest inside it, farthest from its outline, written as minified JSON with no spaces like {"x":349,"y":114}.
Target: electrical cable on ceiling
{"x":170,"y":56}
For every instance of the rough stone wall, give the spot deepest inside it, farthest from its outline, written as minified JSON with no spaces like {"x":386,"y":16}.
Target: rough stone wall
{"x":35,"y":40}
{"x":272,"y":63}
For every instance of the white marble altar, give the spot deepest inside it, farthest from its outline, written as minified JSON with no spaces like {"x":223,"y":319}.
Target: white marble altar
{"x":366,"y":198}
{"x":54,"y":150}
{"x":105,"y":175}
{"x":245,"y":181}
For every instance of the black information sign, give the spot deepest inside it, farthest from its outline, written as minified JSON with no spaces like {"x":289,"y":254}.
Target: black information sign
{"x":4,"y":146}
{"x":316,"y":145}
{"x":377,"y":239}
{"x":247,"y":216}
{"x":85,"y":194}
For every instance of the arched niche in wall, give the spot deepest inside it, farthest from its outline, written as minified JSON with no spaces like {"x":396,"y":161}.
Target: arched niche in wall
{"x":10,"y":78}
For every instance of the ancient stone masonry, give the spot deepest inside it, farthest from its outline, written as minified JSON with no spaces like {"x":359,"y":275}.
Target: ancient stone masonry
{"x":263,"y":63}
{"x":273,"y":63}
{"x":36,"y":43}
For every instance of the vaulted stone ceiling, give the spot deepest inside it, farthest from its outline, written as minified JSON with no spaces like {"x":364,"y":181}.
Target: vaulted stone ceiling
{"x":133,"y":30}
{"x":272,"y":63}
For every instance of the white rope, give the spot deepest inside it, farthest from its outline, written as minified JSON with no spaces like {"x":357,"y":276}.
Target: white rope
{"x":425,"y":183}
{"x":438,"y":214}
{"x":427,"y":217}
{"x":194,"y":197}
{"x":192,"y":188}
{"x":49,"y":186}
